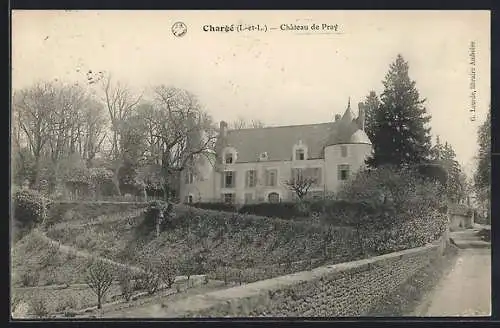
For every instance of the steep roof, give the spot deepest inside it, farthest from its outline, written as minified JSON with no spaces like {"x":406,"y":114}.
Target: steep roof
{"x":278,"y":141}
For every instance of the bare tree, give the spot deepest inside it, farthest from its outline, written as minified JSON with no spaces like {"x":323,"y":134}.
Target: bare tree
{"x":125,"y":277}
{"x":242,"y":123}
{"x":34,"y":112}
{"x":157,"y":269}
{"x":55,"y":121}
{"x":94,"y":130}
{"x":99,"y":278}
{"x":120,"y":104}
{"x":184,"y":133}
{"x":300,"y":184}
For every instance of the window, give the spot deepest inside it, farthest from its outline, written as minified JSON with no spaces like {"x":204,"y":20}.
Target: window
{"x":189,"y":177}
{"x":315,"y":174}
{"x":188,"y":199}
{"x":248,"y":198}
{"x":251,"y":179}
{"x":229,"y":179}
{"x":273,"y":197}
{"x":228,"y":159}
{"x":271,"y":177}
{"x":299,"y":155}
{"x":343,"y":172}
{"x":229,"y":198}
{"x":343,"y":151}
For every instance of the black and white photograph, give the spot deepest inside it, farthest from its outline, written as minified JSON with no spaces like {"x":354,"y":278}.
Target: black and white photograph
{"x":261,"y":163}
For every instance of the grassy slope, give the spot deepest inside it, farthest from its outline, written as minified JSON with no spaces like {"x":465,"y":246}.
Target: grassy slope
{"x":260,"y":241}
{"x":36,"y":257}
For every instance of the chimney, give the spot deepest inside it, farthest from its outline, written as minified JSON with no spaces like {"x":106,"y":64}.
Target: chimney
{"x":361,"y":116}
{"x":223,"y":129}
{"x":337,"y":117}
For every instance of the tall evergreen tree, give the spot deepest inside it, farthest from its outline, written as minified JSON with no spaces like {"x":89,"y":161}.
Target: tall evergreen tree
{"x":482,"y":176}
{"x":437,"y":150}
{"x":372,"y":104}
{"x":400,"y":134}
{"x":444,"y":154}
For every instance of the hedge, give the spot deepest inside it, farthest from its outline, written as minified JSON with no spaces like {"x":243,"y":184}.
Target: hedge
{"x":339,"y":212}
{"x":224,"y":207}
{"x":30,"y":207}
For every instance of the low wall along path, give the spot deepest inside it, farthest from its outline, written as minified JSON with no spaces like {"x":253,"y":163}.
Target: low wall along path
{"x":346,"y":289}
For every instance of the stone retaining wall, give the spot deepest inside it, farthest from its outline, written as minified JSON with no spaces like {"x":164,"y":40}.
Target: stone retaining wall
{"x":346,"y":289}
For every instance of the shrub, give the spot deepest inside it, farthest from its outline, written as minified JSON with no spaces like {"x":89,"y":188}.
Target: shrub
{"x":30,"y":208}
{"x":224,"y":207}
{"x":38,"y":306}
{"x":282,"y":210}
{"x":50,"y":255}
{"x":154,"y":209}
{"x":404,"y":206}
{"x":188,"y":266}
{"x":30,"y":278}
{"x":67,"y":304}
{"x":485,"y":234}
{"x":404,"y":189}
{"x":125,"y":277}
{"x":69,"y":314}
{"x":150,"y":279}
{"x":166,"y":270}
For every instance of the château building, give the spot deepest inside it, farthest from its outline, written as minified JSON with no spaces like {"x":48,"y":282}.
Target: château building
{"x":255,"y":164}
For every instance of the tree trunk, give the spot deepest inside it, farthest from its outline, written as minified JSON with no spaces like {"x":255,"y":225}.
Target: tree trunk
{"x":99,"y":303}
{"x":37,"y":171}
{"x":115,"y":179}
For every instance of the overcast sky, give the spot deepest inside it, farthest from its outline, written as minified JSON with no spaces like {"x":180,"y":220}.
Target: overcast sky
{"x":279,"y":77}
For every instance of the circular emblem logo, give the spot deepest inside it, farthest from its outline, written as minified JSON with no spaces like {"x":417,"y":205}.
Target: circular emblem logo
{"x":179,"y":29}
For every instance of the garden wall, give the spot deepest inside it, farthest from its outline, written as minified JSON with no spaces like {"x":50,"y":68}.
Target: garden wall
{"x":346,"y":289}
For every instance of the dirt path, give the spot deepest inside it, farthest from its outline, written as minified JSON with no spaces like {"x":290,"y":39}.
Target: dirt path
{"x":160,"y":306}
{"x":71,"y":250}
{"x":466,"y":290}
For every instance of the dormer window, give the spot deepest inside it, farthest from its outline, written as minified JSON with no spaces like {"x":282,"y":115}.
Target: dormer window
{"x":300,"y":154}
{"x":228,"y":159}
{"x":299,"y":151}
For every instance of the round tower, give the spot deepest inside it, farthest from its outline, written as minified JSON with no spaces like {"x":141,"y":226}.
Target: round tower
{"x":346,"y":149}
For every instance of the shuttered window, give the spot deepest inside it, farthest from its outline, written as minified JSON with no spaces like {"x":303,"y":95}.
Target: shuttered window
{"x":343,"y":172}
{"x":251,"y":178}
{"x":271,"y":177}
{"x":229,"y":179}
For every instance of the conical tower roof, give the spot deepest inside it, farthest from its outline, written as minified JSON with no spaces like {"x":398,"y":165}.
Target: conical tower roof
{"x":348,"y":114}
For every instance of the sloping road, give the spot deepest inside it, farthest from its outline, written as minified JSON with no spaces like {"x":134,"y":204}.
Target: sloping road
{"x":466,"y":290}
